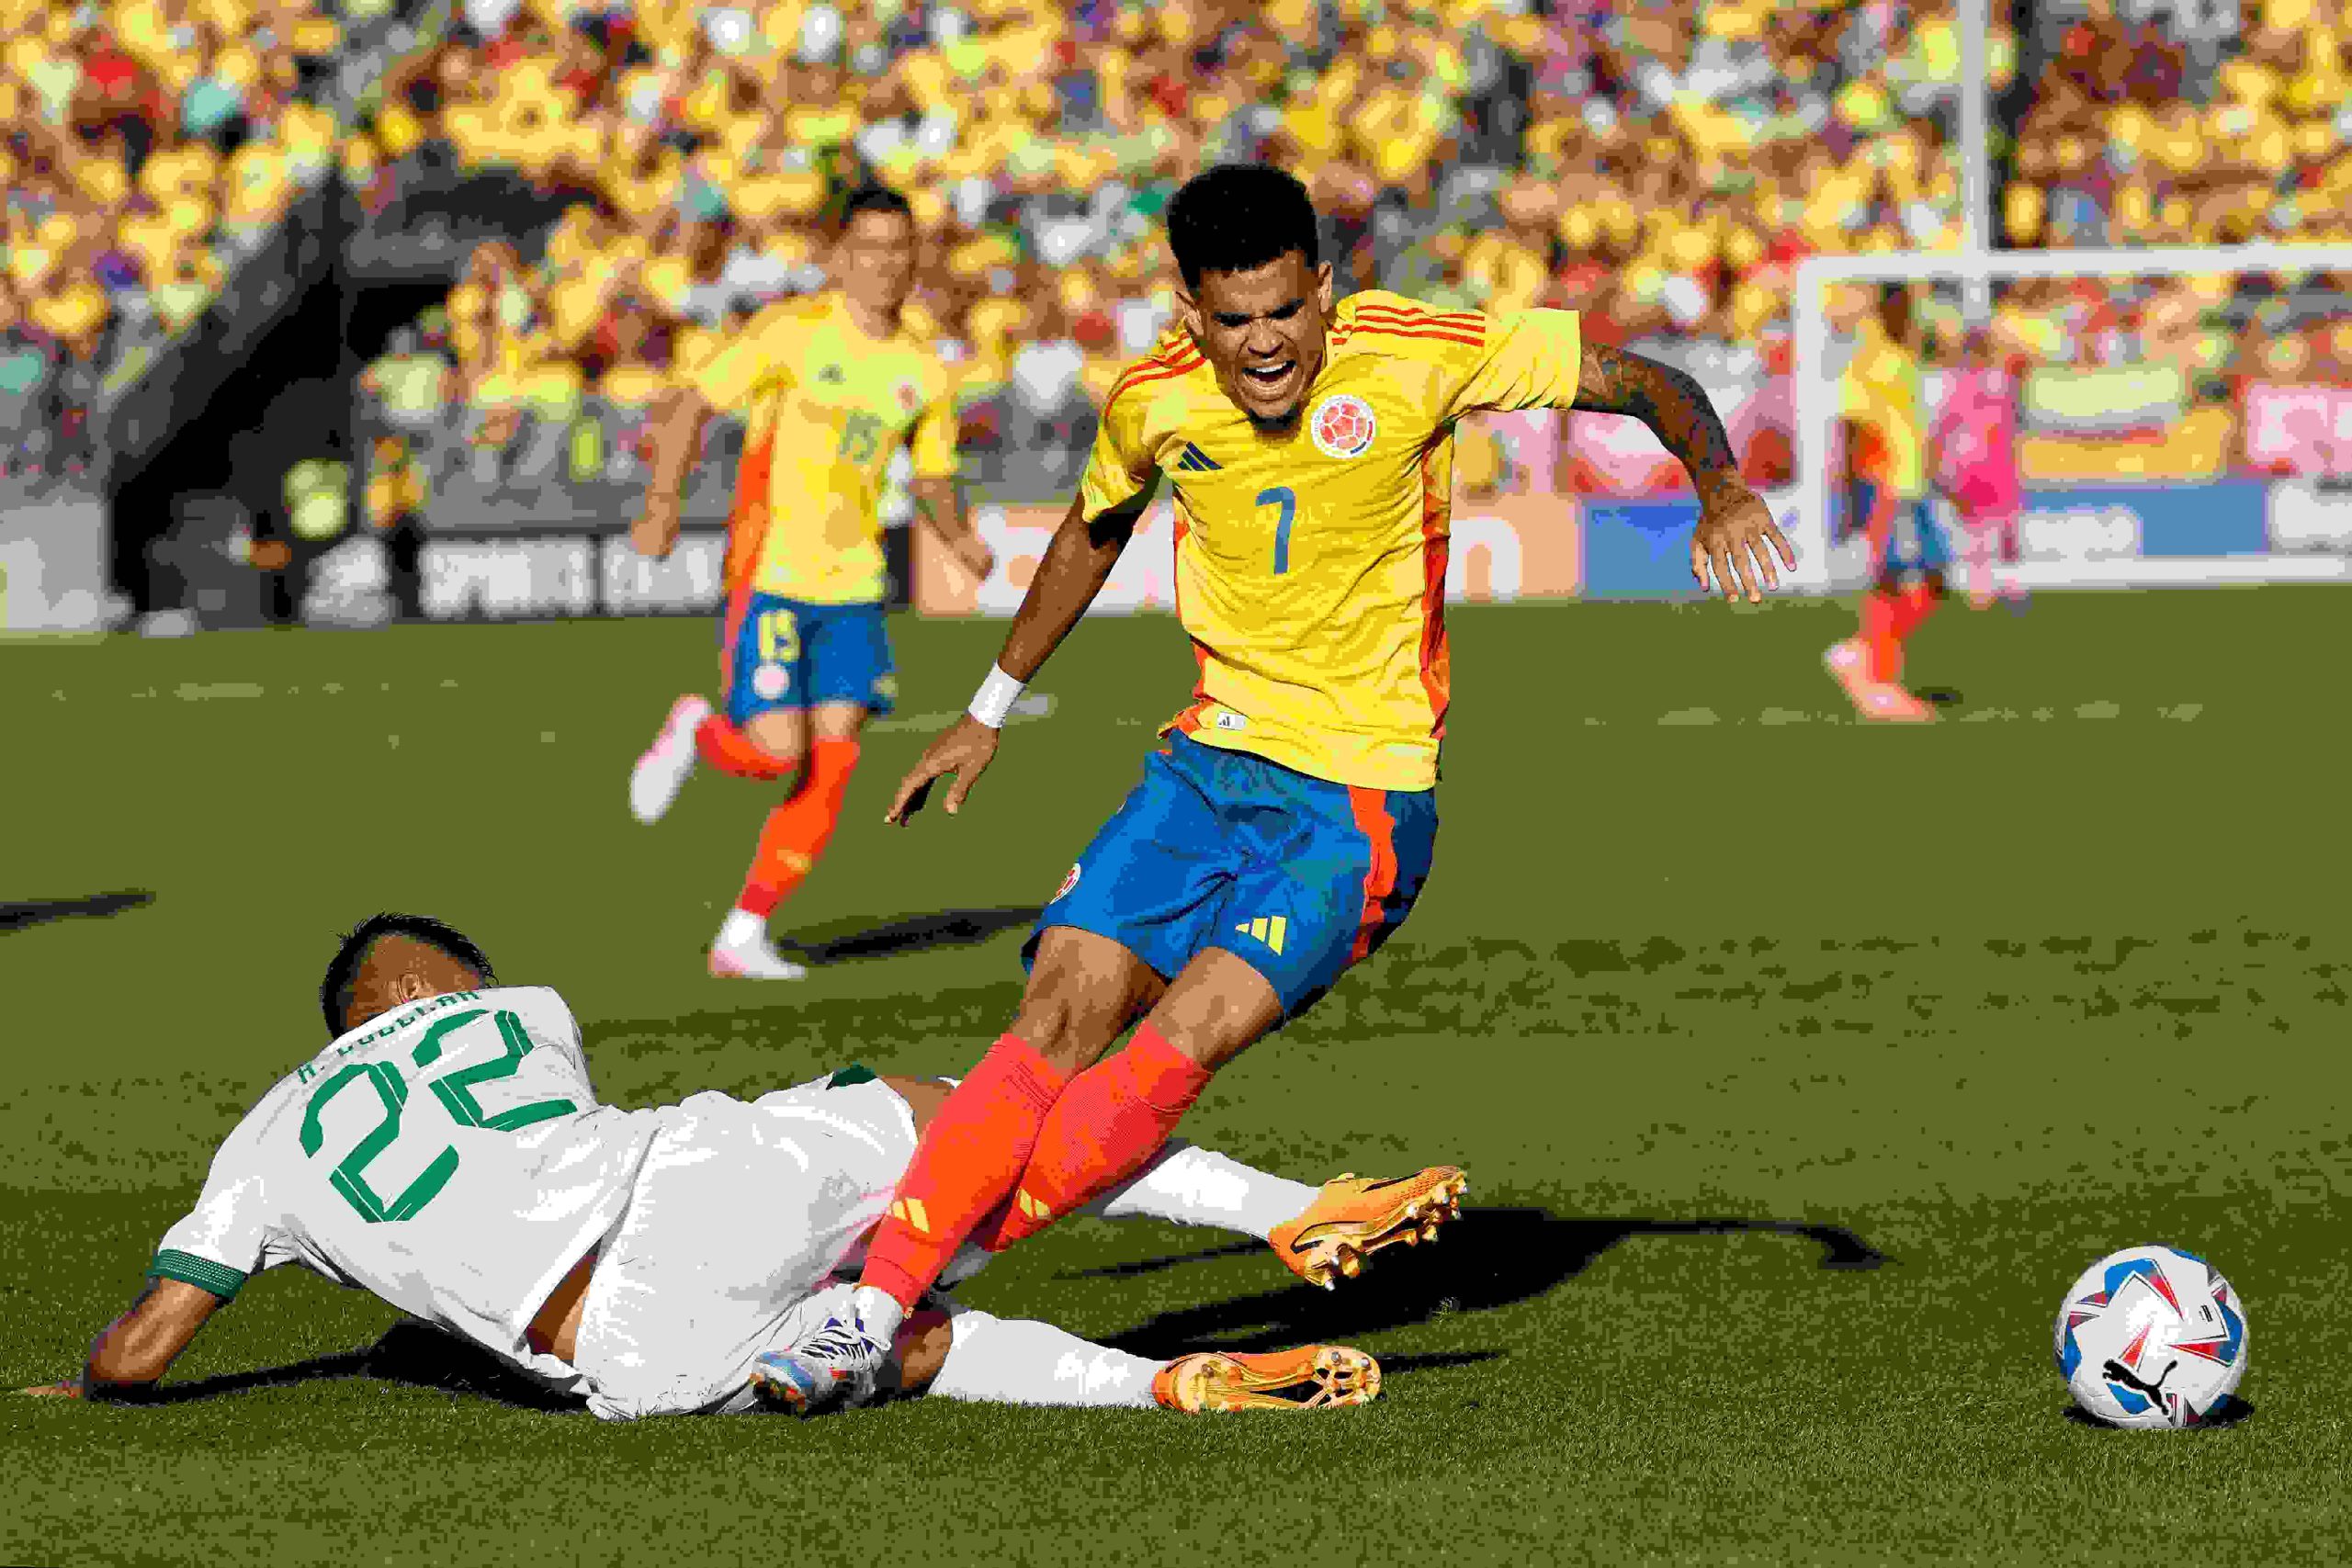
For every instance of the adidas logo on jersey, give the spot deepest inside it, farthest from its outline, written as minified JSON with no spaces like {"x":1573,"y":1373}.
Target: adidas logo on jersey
{"x":1267,"y":928}
{"x":1194,"y":460}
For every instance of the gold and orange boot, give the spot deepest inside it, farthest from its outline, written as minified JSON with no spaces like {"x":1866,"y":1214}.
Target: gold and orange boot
{"x":1314,"y":1377}
{"x":1355,"y":1216}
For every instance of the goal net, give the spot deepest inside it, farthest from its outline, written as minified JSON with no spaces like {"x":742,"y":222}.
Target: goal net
{"x":2173,"y":416}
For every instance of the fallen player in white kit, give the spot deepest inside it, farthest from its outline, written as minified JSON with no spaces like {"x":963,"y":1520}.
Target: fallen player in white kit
{"x":446,"y":1152}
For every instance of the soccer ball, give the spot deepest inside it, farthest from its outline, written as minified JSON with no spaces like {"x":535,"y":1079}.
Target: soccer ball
{"x":2152,"y":1336}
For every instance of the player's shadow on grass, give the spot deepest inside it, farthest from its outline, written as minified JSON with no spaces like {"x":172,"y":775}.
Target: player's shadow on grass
{"x":41,"y":911}
{"x":858,"y":937}
{"x":1488,"y":1259}
{"x":409,"y":1352}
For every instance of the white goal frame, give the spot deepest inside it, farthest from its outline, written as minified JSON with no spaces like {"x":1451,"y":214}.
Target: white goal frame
{"x":1815,"y":382}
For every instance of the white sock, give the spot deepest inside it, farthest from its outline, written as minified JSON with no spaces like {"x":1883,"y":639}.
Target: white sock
{"x":877,"y":1312}
{"x":742,"y":928}
{"x":1018,"y":1361}
{"x":1199,"y":1187}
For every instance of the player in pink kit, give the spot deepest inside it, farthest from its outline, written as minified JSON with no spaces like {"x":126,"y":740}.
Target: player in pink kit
{"x":1974,"y":442}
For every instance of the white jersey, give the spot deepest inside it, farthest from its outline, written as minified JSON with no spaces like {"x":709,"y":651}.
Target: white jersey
{"x":448,"y":1157}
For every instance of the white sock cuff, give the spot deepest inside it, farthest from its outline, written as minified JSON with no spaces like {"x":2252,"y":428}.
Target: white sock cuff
{"x":1200,"y":1187}
{"x":1020,"y":1362}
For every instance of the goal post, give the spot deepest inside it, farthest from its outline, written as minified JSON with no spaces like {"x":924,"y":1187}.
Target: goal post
{"x":1817,"y":362}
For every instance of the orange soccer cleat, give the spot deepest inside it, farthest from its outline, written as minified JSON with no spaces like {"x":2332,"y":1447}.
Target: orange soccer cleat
{"x":1314,"y":1377}
{"x":1355,"y":1216}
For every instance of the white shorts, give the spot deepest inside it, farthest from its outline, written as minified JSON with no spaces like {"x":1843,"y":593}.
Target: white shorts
{"x":740,"y":1215}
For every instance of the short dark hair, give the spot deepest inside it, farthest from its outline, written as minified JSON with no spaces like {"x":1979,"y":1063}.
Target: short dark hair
{"x":1236,"y":217}
{"x":341,"y":986}
{"x":871,"y":198}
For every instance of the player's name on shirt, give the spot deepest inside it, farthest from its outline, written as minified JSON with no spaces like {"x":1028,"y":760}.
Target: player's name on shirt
{"x":312,"y":1068}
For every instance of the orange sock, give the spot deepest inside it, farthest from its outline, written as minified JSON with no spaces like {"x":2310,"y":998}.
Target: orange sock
{"x":1881,"y":610}
{"x":1915,"y":604}
{"x":966,"y":1164}
{"x":730,"y":751}
{"x":798,"y":830}
{"x":1107,"y":1126}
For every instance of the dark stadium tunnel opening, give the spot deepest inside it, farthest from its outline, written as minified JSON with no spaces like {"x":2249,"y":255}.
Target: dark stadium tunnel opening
{"x":1488,"y":1259}
{"x":288,"y":398}
{"x":25,"y":913}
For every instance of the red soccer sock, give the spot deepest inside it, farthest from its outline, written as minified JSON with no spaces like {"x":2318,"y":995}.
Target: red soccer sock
{"x":1916,"y":602}
{"x":1881,"y":610}
{"x":966,"y":1164}
{"x":730,"y":751}
{"x":798,"y":832}
{"x":1107,"y":1126}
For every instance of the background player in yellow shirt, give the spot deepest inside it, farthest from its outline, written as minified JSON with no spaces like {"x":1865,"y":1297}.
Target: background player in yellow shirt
{"x":1882,"y":409}
{"x":1286,"y":827}
{"x":829,"y":388}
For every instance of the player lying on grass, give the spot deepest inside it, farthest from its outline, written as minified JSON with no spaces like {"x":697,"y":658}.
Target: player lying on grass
{"x":446,"y":1152}
{"x":1285,"y":828}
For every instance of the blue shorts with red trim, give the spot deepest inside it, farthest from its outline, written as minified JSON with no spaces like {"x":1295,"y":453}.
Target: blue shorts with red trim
{"x":787,"y":653}
{"x":1298,"y":876}
{"x":1908,"y":540}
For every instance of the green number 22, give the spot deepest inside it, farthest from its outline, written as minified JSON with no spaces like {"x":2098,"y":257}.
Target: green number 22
{"x":454,"y":1091}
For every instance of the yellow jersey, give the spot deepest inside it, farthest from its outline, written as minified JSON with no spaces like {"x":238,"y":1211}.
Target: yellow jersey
{"x":1880,"y":391}
{"x":825,"y":408}
{"x":1310,"y":564}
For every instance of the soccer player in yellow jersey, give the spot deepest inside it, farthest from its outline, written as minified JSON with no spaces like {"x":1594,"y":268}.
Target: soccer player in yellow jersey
{"x":830,"y":388}
{"x":1286,"y":827}
{"x":1885,"y":417}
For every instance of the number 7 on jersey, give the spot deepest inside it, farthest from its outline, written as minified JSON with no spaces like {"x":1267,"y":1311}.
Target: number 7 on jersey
{"x":1280,"y":496}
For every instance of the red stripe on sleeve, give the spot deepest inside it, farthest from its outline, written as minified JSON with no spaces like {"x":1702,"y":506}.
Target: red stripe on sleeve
{"x":1437,"y":656}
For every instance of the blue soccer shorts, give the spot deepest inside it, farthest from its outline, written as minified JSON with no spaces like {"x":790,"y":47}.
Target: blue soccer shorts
{"x":1909,"y":541}
{"x":786,"y":653}
{"x":1298,"y":876}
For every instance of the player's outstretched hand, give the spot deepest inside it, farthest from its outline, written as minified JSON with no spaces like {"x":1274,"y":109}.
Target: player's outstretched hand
{"x":965,"y":751}
{"x":67,"y":1390}
{"x":1734,"y":526}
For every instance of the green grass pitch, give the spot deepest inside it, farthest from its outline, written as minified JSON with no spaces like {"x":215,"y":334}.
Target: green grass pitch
{"x":1712,"y":987}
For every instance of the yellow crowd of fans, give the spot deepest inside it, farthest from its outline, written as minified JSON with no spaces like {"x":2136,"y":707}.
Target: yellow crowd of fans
{"x":1676,"y":158}
{"x":139,"y":141}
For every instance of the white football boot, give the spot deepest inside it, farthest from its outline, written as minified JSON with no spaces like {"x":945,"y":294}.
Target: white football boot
{"x":741,"y":950}
{"x":840,"y":1364}
{"x":665,"y":767}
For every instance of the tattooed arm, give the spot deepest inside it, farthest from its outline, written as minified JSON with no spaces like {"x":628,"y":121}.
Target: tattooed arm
{"x":1735,"y":525}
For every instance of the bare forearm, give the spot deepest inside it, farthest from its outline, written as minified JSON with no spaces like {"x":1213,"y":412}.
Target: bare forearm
{"x":132,"y":1354}
{"x":1078,"y":560}
{"x":940,"y":504}
{"x":1670,"y":403}
{"x":678,"y":420}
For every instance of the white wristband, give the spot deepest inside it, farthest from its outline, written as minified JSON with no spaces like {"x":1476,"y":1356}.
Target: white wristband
{"x":995,"y":698}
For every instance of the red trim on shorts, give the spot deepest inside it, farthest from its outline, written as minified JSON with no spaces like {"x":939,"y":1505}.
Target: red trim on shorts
{"x":1370,"y":808}
{"x":1437,"y":654}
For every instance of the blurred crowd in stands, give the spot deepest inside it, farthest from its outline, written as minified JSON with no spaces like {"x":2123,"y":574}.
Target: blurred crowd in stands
{"x":1661,"y":168}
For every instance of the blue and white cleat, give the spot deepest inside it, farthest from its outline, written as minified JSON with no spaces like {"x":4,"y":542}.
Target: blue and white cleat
{"x":838,"y":1365}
